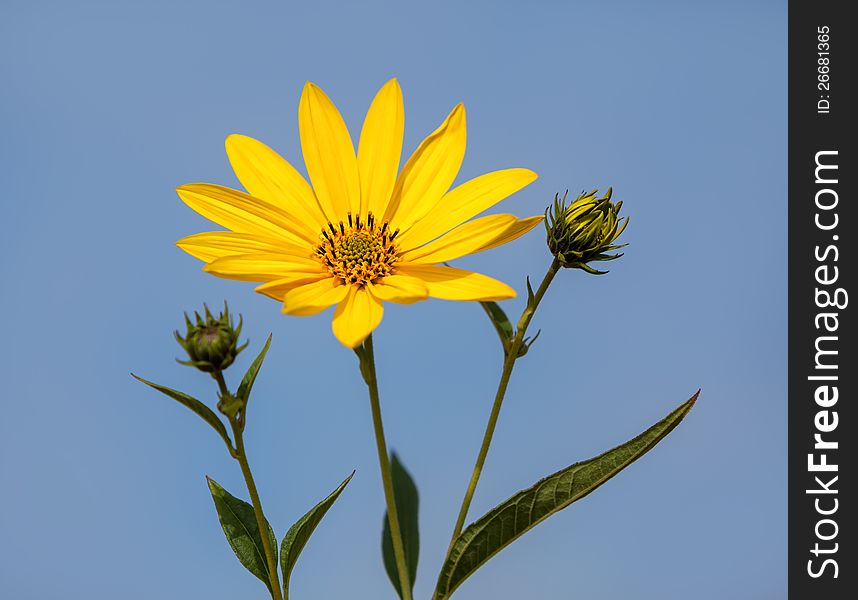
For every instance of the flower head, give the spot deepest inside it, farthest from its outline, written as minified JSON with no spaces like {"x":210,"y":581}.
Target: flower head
{"x":584,"y":231}
{"x":362,"y":234}
{"x":211,"y":343}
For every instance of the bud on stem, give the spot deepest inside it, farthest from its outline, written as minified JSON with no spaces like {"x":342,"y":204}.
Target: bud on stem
{"x":211,"y":343}
{"x":585,"y":230}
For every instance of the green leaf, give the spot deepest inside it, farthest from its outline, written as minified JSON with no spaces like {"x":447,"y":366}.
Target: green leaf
{"x":506,"y":522}
{"x":531,"y":297}
{"x":500,"y":321}
{"x":249,"y":378}
{"x":407,"y":503}
{"x":298,"y":535}
{"x":195,"y":405}
{"x":527,"y":342}
{"x":239,"y":524}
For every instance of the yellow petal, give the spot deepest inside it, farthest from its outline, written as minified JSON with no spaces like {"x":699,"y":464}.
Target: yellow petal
{"x":464,"y":239}
{"x":277,"y":289}
{"x":243,"y":213}
{"x":448,"y":283}
{"x":267,"y":175}
{"x":261,"y":267}
{"x":313,"y":297}
{"x":211,"y":245}
{"x":514,"y":231}
{"x":329,"y":154}
{"x":401,"y":289}
{"x":466,"y":201}
{"x":380,"y":148}
{"x":429,"y":172}
{"x":356,"y":316}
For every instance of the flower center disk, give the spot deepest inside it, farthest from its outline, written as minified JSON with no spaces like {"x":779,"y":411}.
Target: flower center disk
{"x":358,"y":253}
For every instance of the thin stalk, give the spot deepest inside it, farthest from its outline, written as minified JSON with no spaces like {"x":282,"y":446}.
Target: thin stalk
{"x":367,"y":358}
{"x":508,"y":364}
{"x":260,"y":516}
{"x":241,"y":456}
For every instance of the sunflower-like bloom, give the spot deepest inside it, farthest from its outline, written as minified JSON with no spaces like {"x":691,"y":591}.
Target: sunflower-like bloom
{"x":361,"y":235}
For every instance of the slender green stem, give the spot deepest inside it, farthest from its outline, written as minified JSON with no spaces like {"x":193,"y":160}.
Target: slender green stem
{"x":367,"y":358}
{"x":241,"y":456}
{"x":260,"y":516}
{"x":512,"y":354}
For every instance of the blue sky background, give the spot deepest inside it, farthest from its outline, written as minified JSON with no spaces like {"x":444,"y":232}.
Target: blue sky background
{"x":108,"y":106}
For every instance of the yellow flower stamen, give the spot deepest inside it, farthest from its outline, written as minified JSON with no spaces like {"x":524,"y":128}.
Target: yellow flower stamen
{"x":358,"y":253}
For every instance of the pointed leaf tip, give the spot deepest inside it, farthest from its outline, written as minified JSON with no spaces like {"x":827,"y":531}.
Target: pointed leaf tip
{"x":530,"y":294}
{"x":299,"y":534}
{"x":246,"y":385}
{"x":195,"y":405}
{"x":512,"y":518}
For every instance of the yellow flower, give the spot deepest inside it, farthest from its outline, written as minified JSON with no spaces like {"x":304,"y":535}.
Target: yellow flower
{"x":361,"y":235}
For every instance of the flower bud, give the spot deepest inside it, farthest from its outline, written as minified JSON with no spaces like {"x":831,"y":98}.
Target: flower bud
{"x":211,"y":343}
{"x":584,"y":231}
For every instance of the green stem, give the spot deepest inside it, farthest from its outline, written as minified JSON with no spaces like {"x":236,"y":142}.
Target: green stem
{"x":367,"y":359}
{"x":508,"y":364}
{"x":241,"y":456}
{"x":260,"y":516}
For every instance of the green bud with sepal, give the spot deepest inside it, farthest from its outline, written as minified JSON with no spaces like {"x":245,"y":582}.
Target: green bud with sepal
{"x":211,"y":343}
{"x":585,"y":230}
